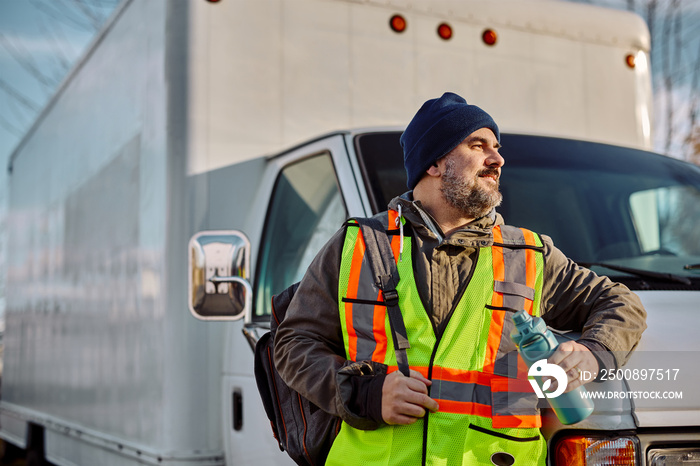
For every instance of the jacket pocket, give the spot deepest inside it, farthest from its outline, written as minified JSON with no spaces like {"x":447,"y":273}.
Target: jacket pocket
{"x":514,"y":294}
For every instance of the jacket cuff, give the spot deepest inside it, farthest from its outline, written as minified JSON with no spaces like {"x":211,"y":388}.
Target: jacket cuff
{"x":606,"y":360}
{"x":366,"y":399}
{"x":360,"y":389}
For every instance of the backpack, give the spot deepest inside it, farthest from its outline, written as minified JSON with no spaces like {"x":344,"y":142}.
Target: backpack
{"x":301,"y":428}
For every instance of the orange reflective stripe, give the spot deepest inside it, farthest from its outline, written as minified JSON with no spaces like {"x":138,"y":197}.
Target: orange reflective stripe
{"x":464,"y":407}
{"x":528,"y":421}
{"x":499,"y":268}
{"x":499,"y":272}
{"x":392,"y":215}
{"x":379,"y":330}
{"x":496,"y":328}
{"x":531,"y":265}
{"x":422,"y":369}
{"x":353,"y":285}
{"x":494,"y":340}
{"x":529,"y":237}
{"x":505,"y":384}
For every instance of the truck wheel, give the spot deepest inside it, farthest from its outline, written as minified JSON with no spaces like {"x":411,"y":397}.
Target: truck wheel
{"x":35,"y":446}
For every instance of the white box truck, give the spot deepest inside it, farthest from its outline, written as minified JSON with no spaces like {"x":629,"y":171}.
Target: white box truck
{"x":189,"y":119}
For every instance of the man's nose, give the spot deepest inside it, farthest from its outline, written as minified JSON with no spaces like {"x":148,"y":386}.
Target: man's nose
{"x":494,"y":159}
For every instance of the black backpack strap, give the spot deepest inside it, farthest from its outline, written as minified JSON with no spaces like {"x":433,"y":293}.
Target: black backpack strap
{"x":386,"y":275}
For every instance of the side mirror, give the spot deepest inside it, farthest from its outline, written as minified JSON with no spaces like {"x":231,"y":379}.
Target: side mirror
{"x":219,"y":265}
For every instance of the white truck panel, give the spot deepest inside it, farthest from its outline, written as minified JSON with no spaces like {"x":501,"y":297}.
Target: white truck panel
{"x":671,"y":347}
{"x":267,"y":75}
{"x":94,"y":335}
{"x":92,"y":300}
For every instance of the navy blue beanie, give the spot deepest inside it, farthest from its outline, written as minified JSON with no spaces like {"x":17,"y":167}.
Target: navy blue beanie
{"x":439,"y":126}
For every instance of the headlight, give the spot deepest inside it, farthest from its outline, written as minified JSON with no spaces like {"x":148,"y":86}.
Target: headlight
{"x":674,"y":457}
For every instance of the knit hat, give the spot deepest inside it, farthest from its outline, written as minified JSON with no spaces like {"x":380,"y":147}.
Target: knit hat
{"x":439,"y":126}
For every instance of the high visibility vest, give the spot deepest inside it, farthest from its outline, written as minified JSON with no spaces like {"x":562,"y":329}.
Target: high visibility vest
{"x":487,"y":406}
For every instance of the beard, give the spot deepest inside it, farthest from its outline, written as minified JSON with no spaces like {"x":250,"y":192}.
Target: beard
{"x":468,"y":196}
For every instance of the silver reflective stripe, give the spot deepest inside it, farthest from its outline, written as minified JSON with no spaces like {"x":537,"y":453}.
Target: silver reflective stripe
{"x":464,"y":392}
{"x":515,"y":291}
{"x":514,"y":261}
{"x":363,"y":314}
{"x":514,"y":288}
{"x":514,"y":404}
{"x":506,"y":364}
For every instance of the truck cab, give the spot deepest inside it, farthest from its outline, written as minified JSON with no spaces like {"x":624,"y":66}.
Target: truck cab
{"x":626,"y":213}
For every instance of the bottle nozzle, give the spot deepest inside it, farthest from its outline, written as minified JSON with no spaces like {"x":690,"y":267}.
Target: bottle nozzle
{"x":521,"y":317}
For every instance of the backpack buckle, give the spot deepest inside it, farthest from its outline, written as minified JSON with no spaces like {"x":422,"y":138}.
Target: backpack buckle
{"x":391,"y":297}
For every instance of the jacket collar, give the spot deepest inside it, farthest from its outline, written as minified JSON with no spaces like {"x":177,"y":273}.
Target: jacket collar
{"x":476,"y":233}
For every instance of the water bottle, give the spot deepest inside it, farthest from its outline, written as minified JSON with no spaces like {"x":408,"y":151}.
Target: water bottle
{"x":536,"y":342}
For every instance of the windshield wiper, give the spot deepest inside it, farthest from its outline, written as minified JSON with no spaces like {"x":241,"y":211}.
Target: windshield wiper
{"x":639,"y":272}
{"x":691,"y":266}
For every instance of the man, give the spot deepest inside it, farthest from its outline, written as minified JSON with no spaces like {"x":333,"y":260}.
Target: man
{"x":463,"y":273}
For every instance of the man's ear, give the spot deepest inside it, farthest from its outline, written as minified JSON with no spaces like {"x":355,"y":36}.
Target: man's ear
{"x":434,"y":170}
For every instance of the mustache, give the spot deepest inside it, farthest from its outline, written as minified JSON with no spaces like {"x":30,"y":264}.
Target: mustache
{"x":488,"y":172}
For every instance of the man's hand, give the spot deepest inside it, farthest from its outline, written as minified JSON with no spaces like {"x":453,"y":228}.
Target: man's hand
{"x":405,"y":399}
{"x":574,"y":358}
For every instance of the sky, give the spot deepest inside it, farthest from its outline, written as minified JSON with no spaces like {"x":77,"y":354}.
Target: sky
{"x":40,"y":40}
{"x":675,"y":61}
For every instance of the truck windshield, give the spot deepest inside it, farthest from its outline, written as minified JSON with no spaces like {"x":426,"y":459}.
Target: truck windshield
{"x":604,"y":206}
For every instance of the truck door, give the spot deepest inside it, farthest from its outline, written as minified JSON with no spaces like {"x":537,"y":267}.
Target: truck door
{"x":313,"y":194}
{"x":304,"y":199}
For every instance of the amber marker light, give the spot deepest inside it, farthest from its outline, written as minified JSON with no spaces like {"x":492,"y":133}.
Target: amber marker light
{"x":397,"y":23}
{"x":584,"y":450}
{"x":631,"y":60}
{"x":444,"y":30}
{"x":489,"y":37}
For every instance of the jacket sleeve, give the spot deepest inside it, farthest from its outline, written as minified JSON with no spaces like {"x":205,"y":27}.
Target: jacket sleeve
{"x":309,"y":349}
{"x":575,"y":298}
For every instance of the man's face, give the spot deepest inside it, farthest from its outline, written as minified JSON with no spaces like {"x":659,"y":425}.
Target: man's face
{"x":471,"y":173}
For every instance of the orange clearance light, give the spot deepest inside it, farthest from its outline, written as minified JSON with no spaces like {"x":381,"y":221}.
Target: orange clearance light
{"x":585,"y":451}
{"x":631,"y":60}
{"x":489,"y":37}
{"x":397,"y":23}
{"x":444,"y":30}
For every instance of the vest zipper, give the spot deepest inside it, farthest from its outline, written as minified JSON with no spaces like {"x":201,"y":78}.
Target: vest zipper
{"x":438,"y":337}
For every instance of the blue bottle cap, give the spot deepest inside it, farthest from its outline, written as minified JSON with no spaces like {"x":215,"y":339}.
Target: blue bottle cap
{"x":521,"y":317}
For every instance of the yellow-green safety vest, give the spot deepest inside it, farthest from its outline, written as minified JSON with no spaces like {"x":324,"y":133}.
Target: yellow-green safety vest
{"x":488,"y":412}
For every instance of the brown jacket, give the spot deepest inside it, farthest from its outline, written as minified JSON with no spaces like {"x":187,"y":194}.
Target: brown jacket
{"x":309,"y":350}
